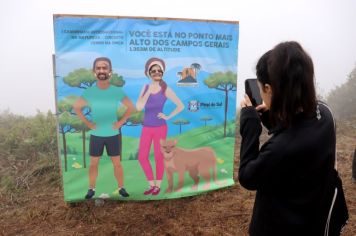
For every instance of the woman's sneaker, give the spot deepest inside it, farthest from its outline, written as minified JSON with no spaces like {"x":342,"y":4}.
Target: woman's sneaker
{"x":156,"y":190}
{"x":149,"y":191}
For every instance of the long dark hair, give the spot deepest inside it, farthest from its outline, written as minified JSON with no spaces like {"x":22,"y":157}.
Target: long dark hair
{"x":289,"y":70}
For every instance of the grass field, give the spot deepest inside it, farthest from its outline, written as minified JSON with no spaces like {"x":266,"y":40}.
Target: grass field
{"x":75,"y":179}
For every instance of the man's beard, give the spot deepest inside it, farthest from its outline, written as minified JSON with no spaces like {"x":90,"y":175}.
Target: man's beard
{"x":102,"y":76}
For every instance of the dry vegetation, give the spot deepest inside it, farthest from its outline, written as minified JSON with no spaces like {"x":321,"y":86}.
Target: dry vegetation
{"x":31,"y":203}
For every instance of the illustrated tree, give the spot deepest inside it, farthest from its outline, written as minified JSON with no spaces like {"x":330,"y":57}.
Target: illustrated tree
{"x":66,"y":104}
{"x":80,"y":78}
{"x":117,"y":80}
{"x":79,"y":125}
{"x":224,"y":82}
{"x":65,"y":126}
{"x":206,"y":119}
{"x":181,"y":122}
{"x":196,"y":67}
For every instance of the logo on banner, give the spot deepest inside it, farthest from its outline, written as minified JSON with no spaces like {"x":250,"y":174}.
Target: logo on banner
{"x":188,"y":75}
{"x":210,"y":105}
{"x":193,"y":106}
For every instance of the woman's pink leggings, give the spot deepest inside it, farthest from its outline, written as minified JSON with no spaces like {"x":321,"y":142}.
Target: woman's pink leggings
{"x":148,"y":135}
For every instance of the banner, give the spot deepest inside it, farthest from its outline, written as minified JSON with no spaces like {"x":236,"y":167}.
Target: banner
{"x":146,"y":107}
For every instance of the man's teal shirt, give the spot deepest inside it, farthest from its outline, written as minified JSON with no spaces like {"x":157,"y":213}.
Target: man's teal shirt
{"x":104,"y":105}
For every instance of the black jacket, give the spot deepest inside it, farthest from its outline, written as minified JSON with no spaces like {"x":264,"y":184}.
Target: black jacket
{"x":290,"y":173}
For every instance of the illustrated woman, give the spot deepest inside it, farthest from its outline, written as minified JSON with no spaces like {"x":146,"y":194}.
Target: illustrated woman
{"x":152,"y":98}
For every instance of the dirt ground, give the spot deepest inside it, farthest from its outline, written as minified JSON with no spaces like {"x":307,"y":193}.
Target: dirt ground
{"x":40,"y":209}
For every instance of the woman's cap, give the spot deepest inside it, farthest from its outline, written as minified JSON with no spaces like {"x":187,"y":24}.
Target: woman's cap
{"x":154,"y":61}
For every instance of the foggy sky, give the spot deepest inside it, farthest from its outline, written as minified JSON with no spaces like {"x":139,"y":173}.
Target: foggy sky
{"x":325,"y":28}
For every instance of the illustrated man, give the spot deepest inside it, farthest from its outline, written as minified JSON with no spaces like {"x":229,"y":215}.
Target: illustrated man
{"x":103,"y":100}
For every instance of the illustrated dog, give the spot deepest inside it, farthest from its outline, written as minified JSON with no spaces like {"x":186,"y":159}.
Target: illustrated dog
{"x":198,"y":162}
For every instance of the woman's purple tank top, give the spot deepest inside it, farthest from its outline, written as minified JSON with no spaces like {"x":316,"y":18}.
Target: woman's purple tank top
{"x":154,"y":105}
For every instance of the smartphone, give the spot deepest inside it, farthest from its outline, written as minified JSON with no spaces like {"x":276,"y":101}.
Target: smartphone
{"x":253,"y":92}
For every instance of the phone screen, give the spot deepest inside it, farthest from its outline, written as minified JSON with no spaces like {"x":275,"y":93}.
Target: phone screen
{"x":253,"y":92}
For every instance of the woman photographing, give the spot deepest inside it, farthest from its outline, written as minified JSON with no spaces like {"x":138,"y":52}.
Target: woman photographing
{"x":291,"y":171}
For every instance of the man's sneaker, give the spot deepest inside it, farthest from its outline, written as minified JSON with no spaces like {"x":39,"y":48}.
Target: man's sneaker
{"x":90,"y":194}
{"x":149,"y":191}
{"x":156,"y":190}
{"x":123,"y":193}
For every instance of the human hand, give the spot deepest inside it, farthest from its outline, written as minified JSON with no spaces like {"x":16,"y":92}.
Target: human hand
{"x":245,"y":102}
{"x":162,"y":116}
{"x":262,"y":107}
{"x":91,"y":125}
{"x":117,"y":125}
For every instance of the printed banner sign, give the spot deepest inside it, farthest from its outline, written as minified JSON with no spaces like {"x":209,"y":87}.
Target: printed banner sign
{"x":146,"y":107}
